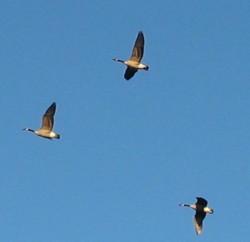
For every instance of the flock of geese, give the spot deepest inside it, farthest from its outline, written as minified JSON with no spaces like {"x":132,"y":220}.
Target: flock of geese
{"x":133,"y":65}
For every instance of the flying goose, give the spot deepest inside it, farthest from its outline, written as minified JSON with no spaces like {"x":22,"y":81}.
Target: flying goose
{"x":47,"y":124}
{"x":201,"y":210}
{"x":134,"y":63}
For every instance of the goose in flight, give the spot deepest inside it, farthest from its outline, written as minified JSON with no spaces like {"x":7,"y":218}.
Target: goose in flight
{"x":201,"y":210}
{"x":47,"y":124}
{"x":134,"y":63}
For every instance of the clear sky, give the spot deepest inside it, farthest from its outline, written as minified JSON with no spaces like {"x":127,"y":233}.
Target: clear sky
{"x":130,"y":151}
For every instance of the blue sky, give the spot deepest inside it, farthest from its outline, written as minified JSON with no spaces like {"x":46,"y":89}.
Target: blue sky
{"x":129,"y":152}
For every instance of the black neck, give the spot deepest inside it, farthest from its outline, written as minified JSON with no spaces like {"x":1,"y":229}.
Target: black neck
{"x":118,"y":60}
{"x":28,"y":129}
{"x":184,"y":205}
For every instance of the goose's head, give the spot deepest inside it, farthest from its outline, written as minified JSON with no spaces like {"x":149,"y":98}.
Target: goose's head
{"x":28,"y":129}
{"x":118,"y":60}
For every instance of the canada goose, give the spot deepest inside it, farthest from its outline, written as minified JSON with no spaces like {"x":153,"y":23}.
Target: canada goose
{"x":201,"y":210}
{"x":134,"y":63}
{"x":47,"y":124}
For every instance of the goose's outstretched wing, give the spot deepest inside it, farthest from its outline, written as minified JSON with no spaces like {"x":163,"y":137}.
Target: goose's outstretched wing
{"x":138,"y":49}
{"x":48,"y":118}
{"x":201,"y":201}
{"x":198,"y":219}
{"x":129,"y":73}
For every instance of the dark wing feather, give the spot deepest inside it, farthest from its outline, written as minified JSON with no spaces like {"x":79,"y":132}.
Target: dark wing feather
{"x":129,"y":73}
{"x":138,"y":49}
{"x":48,"y":118}
{"x":198,"y":219}
{"x":201,"y":201}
